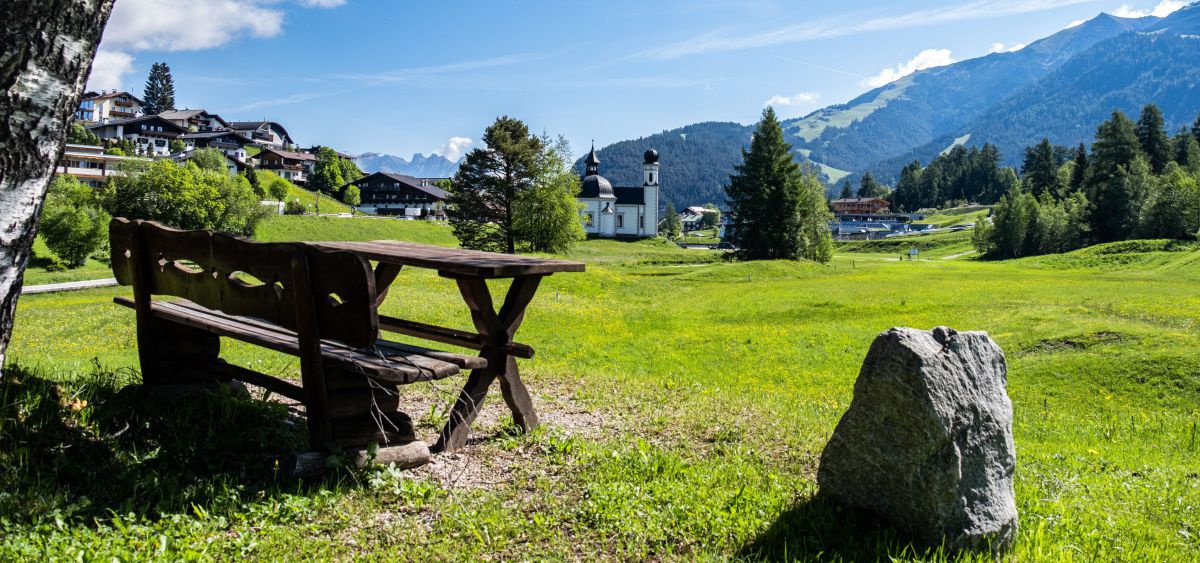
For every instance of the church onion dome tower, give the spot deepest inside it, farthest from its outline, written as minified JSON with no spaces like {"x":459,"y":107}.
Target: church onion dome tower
{"x":651,"y":156}
{"x":595,"y":185}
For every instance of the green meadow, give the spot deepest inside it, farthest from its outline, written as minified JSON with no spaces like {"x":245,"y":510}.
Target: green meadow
{"x":685,"y":402}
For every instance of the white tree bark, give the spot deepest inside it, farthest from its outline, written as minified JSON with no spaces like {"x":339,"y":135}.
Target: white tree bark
{"x":46,"y":51}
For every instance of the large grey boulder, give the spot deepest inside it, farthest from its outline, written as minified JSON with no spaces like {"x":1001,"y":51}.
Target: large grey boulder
{"x":927,"y":442}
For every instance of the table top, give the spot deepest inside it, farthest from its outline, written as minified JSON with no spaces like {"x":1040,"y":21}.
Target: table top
{"x":455,"y":261}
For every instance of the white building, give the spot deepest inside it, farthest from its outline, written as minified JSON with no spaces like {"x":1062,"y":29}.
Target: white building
{"x":620,"y":211}
{"x":151,"y":134}
{"x":107,"y":106}
{"x":89,"y":164}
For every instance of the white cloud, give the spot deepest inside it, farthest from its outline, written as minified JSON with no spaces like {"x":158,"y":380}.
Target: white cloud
{"x":1075,"y":23}
{"x":182,"y":25}
{"x":727,"y":40}
{"x":1162,"y":10}
{"x":928,"y":58}
{"x":454,"y":148}
{"x":798,"y":99}
{"x":1002,"y":48}
{"x":109,"y":70}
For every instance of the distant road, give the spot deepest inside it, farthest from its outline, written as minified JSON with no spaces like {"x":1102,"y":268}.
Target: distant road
{"x":68,"y":286}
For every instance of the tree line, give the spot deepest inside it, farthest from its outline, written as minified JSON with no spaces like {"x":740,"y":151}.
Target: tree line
{"x":1136,"y":181}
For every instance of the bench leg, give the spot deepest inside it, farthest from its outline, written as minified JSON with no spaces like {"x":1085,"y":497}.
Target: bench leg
{"x":499,"y":329}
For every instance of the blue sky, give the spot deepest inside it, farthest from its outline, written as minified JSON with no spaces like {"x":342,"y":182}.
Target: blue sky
{"x":403,"y":77}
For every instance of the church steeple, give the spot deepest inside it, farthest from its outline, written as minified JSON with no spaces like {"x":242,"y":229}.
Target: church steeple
{"x":592,"y":162}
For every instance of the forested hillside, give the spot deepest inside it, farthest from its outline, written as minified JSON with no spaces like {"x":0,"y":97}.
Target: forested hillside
{"x":1123,"y":73}
{"x":696,"y":161}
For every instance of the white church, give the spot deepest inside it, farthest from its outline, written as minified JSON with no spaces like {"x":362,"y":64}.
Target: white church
{"x":620,"y":211}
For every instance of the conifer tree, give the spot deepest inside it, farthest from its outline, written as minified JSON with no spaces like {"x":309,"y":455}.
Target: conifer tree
{"x":780,"y":210}
{"x":1040,"y":169}
{"x":1187,"y":151}
{"x":488,"y":183}
{"x":868,"y":186}
{"x":1112,"y":181}
{"x":671,"y":225}
{"x":159,"y":94}
{"x":1196,"y":128}
{"x":847,"y":191}
{"x":1079,"y":170}
{"x":1152,"y":137}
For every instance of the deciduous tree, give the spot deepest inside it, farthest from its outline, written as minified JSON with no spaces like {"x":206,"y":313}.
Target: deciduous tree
{"x":73,"y":224}
{"x":42,"y":82}
{"x":547,"y":215}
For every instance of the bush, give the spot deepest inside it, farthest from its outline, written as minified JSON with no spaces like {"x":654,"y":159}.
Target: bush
{"x":273,"y":185}
{"x":351,"y":196}
{"x":73,"y":224}
{"x":184,"y":196}
{"x":294,"y":207}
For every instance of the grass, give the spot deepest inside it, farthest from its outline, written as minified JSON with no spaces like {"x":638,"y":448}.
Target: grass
{"x":309,"y":198}
{"x":299,"y":227}
{"x":701,"y":236}
{"x":956,"y":216}
{"x":714,"y":385}
{"x":41,"y":268}
{"x":933,"y":245}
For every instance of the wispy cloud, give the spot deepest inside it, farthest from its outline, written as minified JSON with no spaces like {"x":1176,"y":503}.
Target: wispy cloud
{"x":417,"y":73}
{"x":929,"y":58}
{"x":801,"y":98}
{"x":1162,"y":10}
{"x":286,"y":100}
{"x":819,"y":67}
{"x":999,"y":47}
{"x":731,"y":40}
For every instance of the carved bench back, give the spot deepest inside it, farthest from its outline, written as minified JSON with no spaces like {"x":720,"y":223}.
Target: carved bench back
{"x":252,"y":279}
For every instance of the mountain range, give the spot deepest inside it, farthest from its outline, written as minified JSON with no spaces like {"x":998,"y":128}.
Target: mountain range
{"x":420,"y":166}
{"x":1058,"y":87}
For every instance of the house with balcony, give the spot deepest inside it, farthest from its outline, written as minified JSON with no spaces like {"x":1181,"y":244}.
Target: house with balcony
{"x":267,"y":134}
{"x":89,"y":164}
{"x":108,"y":105}
{"x":195,"y":120}
{"x":292,"y":166}
{"x":151,"y":134}
{"x":232,"y":144}
{"x":386,"y":193}
{"x":233,"y":165}
{"x":860,"y":205}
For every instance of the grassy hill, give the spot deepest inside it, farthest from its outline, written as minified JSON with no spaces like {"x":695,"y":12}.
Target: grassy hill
{"x":685,"y":402}
{"x":309,"y":198}
{"x":303,"y":227}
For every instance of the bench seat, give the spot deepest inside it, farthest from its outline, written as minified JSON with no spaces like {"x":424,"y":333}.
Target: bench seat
{"x":389,"y":362}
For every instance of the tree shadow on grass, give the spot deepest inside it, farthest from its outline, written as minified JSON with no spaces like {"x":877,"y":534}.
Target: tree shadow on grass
{"x":78,"y":450}
{"x":818,"y":530}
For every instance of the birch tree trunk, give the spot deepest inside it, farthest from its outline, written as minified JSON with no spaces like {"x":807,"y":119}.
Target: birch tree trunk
{"x":46,"y":51}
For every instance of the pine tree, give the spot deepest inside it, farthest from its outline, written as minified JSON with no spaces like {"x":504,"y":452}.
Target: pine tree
{"x":847,"y":191}
{"x":489,"y":182}
{"x":1040,"y":169}
{"x":868,"y":186}
{"x":1187,"y":151}
{"x":1152,"y":137}
{"x":159,"y":94}
{"x":1079,"y":170}
{"x":1196,"y":129}
{"x":1108,"y":186}
{"x":780,"y":210}
{"x":252,"y":177}
{"x":671,"y":225}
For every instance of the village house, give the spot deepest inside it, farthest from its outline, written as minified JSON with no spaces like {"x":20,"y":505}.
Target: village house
{"x":151,"y":134}
{"x":108,"y":105}
{"x":195,"y":120}
{"x":292,"y":166}
{"x":860,"y":205}
{"x":228,"y":142}
{"x":690,"y":218}
{"x":88,"y":164}
{"x":620,"y":211}
{"x":233,"y":165}
{"x":386,"y":193}
{"x":267,"y":134}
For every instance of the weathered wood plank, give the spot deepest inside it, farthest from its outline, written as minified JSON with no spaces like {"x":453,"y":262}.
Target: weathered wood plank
{"x":454,"y":260}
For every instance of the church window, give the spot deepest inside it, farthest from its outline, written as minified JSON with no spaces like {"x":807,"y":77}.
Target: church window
{"x":620,"y":220}
{"x":641,"y":222}
{"x":589,"y":220}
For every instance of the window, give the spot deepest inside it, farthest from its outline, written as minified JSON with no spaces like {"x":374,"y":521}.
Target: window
{"x":588,"y":220}
{"x":620,"y":220}
{"x":641,"y":221}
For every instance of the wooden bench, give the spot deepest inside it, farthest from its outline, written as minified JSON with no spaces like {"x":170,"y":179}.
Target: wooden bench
{"x":317,"y":304}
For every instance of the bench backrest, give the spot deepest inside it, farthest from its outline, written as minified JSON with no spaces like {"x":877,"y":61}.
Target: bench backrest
{"x":264,"y":280}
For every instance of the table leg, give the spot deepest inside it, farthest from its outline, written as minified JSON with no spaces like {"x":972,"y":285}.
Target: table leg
{"x":385,"y":274}
{"x":498,"y":330}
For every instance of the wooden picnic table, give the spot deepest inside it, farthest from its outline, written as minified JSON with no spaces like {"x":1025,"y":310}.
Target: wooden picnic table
{"x":496,"y":328}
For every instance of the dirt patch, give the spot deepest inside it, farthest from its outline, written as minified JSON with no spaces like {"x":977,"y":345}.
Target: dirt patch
{"x":1079,"y":342}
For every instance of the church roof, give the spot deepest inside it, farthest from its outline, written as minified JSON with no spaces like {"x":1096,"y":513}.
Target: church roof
{"x":630,"y":196}
{"x":596,"y":186}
